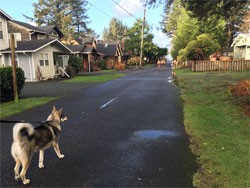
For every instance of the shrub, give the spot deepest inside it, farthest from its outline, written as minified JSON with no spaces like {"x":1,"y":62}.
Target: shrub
{"x":102,"y":64}
{"x":120,"y":67}
{"x":133,"y":61}
{"x":199,"y":49}
{"x":70,"y":71}
{"x":6,"y":81}
{"x":76,"y":63}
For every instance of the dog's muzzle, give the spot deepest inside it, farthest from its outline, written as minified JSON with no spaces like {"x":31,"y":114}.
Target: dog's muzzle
{"x":63,"y":118}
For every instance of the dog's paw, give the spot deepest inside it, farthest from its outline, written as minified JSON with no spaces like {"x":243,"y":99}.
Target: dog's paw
{"x":61,"y":156}
{"x":41,"y":165}
{"x":27,"y":181}
{"x":17,"y":177}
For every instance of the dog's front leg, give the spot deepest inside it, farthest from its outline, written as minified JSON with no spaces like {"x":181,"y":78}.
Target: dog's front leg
{"x":57,"y":150}
{"x":41,"y":157}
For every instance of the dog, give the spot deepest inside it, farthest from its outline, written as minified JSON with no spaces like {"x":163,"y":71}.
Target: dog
{"x":161,"y":62}
{"x":27,"y":140}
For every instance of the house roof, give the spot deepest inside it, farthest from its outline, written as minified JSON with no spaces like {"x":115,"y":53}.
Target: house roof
{"x":35,"y":45}
{"x":29,"y":26}
{"x":75,"y":48}
{"x":107,"y":49}
{"x":81,"y":49}
{"x":49,"y":28}
{"x":239,"y":37}
{"x":40,"y":29}
{"x":109,"y":42}
{"x":5,"y":15}
{"x":87,"y":50}
{"x":85,"y":40}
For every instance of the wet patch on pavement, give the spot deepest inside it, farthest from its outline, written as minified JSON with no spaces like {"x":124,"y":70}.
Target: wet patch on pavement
{"x":155,"y":134}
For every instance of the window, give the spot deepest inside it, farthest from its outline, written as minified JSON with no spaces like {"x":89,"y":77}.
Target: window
{"x":44,"y":59}
{"x":1,"y":30}
{"x":41,"y":60}
{"x":39,"y":37}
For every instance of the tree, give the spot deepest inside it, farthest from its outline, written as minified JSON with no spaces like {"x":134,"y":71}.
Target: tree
{"x":116,"y":30}
{"x":79,"y":17}
{"x":232,"y":12}
{"x":51,"y":12}
{"x":171,"y":17}
{"x":133,"y":37}
{"x":199,"y":49}
{"x":133,"y":42}
{"x":67,"y":29}
{"x":187,"y":31}
{"x":68,"y":15}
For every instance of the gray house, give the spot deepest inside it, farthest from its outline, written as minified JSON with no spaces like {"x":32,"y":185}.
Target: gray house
{"x":40,"y":59}
{"x":39,"y":51}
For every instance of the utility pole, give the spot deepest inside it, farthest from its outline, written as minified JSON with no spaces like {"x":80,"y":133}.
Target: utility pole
{"x":142,"y":33}
{"x":12,"y":45}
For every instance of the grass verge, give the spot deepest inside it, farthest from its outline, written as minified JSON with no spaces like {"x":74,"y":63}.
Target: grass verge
{"x":10,"y":108}
{"x":218,"y":128}
{"x":96,"y":78}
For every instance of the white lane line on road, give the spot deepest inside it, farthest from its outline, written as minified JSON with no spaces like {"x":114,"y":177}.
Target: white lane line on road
{"x":106,"y":104}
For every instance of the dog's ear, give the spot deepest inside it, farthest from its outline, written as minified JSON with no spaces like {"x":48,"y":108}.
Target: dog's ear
{"x":53,"y":109}
{"x":60,"y":111}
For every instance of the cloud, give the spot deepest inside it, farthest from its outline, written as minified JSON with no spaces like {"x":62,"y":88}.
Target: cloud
{"x":132,"y":6}
{"x":161,"y":39}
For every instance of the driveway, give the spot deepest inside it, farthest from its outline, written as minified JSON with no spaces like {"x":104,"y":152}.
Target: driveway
{"x":127,"y":132}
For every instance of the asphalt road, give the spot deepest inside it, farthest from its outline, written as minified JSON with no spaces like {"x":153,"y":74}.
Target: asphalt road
{"x":127,"y":132}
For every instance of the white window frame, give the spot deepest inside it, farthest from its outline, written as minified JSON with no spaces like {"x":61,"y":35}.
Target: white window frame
{"x":44,"y":60}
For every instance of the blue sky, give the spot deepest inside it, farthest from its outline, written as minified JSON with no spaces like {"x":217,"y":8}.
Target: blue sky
{"x":99,"y":20}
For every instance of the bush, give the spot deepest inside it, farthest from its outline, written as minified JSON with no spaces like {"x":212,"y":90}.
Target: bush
{"x":70,"y":71}
{"x":102,"y":64}
{"x":76,"y":63}
{"x":120,"y":67}
{"x":199,"y":49}
{"x":133,"y":61}
{"x":6,"y":81}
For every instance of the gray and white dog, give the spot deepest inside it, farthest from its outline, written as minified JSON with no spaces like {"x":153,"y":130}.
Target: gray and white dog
{"x":27,"y":140}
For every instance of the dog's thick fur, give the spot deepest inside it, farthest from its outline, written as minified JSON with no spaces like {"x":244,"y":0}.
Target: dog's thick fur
{"x":27,"y":140}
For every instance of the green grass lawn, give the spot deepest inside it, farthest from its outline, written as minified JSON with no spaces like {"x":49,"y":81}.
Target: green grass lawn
{"x":97,"y":78}
{"x":10,"y":108}
{"x":218,"y":128}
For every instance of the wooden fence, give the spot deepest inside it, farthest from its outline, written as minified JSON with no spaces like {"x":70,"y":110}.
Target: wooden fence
{"x":204,"y":66}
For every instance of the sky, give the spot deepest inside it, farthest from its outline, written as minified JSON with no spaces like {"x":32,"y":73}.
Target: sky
{"x":100,"y":12}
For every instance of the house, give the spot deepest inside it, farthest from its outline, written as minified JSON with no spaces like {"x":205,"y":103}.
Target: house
{"x":4,"y":41}
{"x":38,"y":51}
{"x":241,"y":46}
{"x":24,"y":31}
{"x":111,"y":52}
{"x":87,"y":53}
{"x":39,"y":59}
{"x":88,"y":41}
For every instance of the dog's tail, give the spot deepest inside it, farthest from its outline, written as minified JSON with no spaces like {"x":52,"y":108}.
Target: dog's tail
{"x":22,"y":130}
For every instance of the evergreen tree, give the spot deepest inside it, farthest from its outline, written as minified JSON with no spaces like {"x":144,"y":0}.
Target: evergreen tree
{"x":116,"y":30}
{"x":79,"y":17}
{"x":231,"y":11}
{"x":68,"y":15}
{"x":51,"y":12}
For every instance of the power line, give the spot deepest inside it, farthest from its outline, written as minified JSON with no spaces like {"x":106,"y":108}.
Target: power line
{"x":100,"y":10}
{"x":125,"y":9}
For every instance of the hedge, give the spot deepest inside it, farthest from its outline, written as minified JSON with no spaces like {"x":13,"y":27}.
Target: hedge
{"x":6,"y":82}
